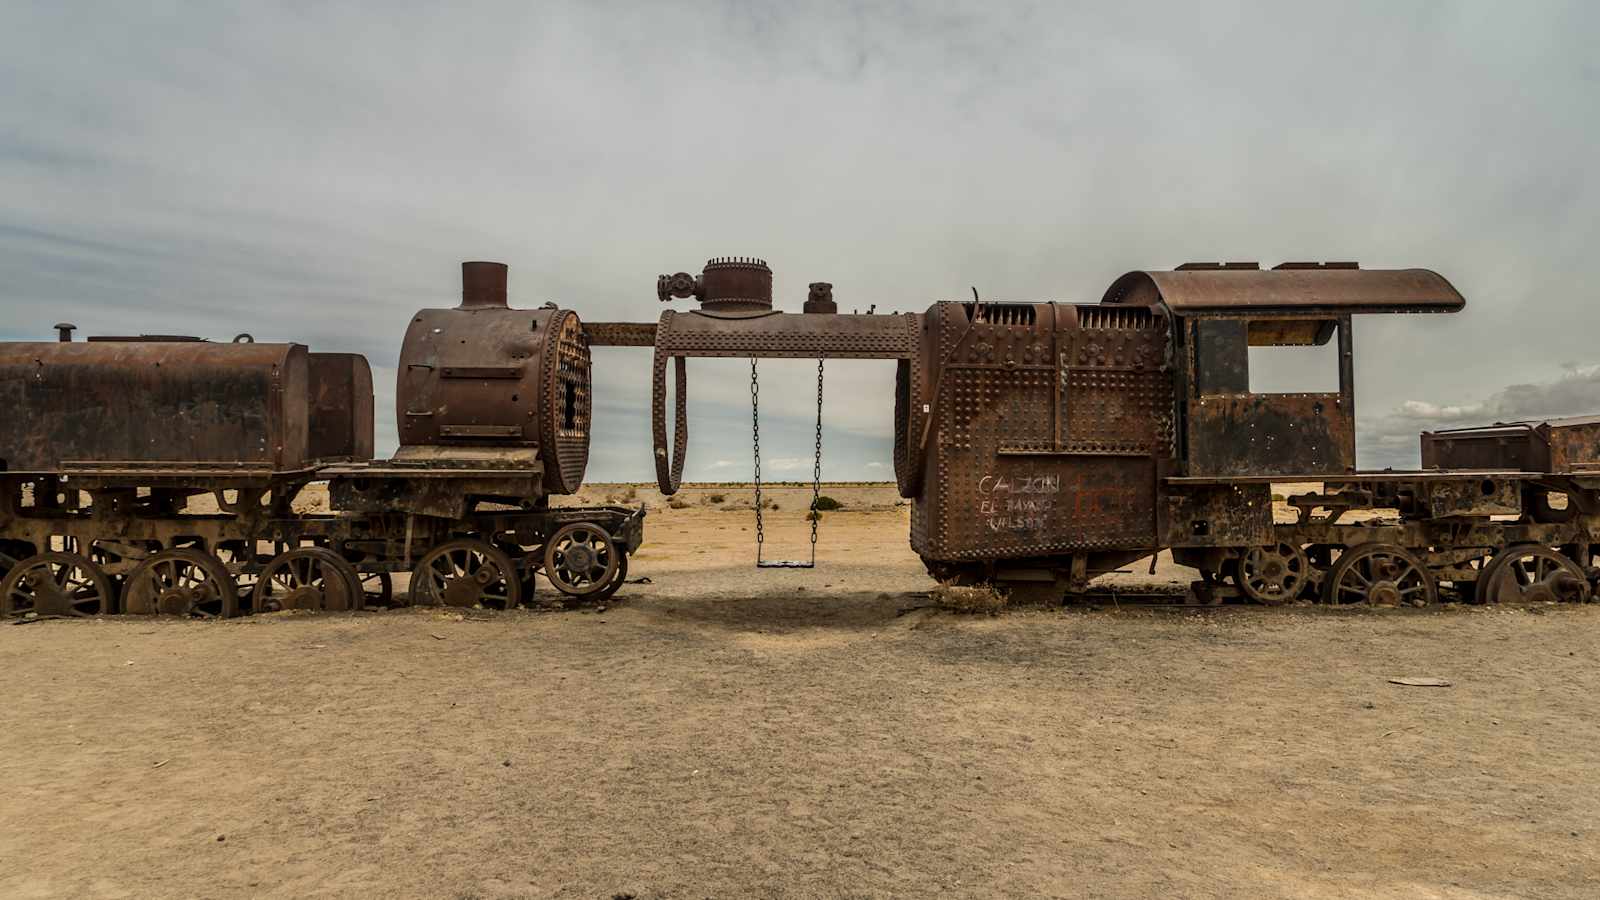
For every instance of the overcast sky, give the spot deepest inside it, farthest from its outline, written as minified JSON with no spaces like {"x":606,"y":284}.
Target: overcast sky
{"x":316,"y":172}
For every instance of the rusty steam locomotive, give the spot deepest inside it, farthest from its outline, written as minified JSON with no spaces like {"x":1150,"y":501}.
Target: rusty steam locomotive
{"x":161,"y":474}
{"x":1045,"y":443}
{"x":1041,"y":443}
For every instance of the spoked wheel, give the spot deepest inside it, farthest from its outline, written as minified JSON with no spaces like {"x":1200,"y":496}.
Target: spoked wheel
{"x":11,"y":553}
{"x":307,"y":578}
{"x":617,"y":580}
{"x":1531,"y":573}
{"x":1272,"y":575}
{"x":184,"y":582}
{"x":56,"y":584}
{"x":466,"y":572}
{"x":377,"y":590}
{"x":580,"y":560}
{"x":1379,"y":575}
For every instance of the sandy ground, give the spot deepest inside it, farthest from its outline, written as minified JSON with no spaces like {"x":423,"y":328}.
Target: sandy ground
{"x":724,"y":732}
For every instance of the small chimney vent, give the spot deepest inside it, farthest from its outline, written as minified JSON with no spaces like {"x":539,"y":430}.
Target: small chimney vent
{"x":483,"y":285}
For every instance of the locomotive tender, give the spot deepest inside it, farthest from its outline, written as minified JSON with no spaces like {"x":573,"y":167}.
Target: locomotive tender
{"x":160,"y":474}
{"x":1045,"y":443}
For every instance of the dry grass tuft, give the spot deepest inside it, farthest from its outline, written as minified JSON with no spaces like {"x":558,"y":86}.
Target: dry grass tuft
{"x":975,"y":599}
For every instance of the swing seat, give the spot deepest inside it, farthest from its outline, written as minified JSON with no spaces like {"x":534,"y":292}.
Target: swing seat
{"x":785,"y":564}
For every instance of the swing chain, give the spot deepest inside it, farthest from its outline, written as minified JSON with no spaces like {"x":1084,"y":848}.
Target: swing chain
{"x":816,"y":466}
{"x":816,"y":469}
{"x":755,"y":431}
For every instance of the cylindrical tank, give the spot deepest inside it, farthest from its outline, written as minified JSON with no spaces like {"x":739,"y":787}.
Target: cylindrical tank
{"x":484,"y":381}
{"x":179,"y":404}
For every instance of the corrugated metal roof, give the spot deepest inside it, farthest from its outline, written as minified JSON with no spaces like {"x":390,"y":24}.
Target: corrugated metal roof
{"x":1288,"y":291}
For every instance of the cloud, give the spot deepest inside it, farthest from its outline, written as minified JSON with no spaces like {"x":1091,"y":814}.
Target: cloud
{"x":1392,"y":440}
{"x":316,"y":172}
{"x":785,"y":464}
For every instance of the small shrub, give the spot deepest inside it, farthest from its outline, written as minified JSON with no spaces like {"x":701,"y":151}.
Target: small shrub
{"x":826,"y":503}
{"x":716,"y":498}
{"x":1279,"y":498}
{"x":678,"y":503}
{"x":813,"y":516}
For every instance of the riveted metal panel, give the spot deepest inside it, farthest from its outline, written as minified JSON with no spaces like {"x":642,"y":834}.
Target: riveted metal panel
{"x":1052,"y":423}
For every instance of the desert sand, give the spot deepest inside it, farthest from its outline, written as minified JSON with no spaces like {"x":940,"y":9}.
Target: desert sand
{"x":726,"y":732}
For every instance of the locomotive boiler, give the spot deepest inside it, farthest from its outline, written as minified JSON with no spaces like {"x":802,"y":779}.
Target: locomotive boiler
{"x":1045,"y":443}
{"x":166,"y":474}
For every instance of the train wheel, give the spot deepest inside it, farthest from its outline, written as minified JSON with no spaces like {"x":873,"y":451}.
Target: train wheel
{"x":580,"y":560}
{"x":56,"y":584}
{"x":1272,"y":575}
{"x":307,"y":578}
{"x":617,"y":580}
{"x":1530,"y":573}
{"x":377,"y":590}
{"x":466,"y":572}
{"x":184,"y":582}
{"x":1379,"y":575}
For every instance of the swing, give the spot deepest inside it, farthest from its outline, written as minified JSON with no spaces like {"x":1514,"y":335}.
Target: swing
{"x":816,"y":476}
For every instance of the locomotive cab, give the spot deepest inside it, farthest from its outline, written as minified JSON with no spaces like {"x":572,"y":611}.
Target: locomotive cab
{"x":1231,"y":424}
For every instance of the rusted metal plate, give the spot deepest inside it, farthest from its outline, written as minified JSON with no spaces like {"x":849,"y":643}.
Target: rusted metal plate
{"x":1052,"y":423}
{"x":188,"y":402}
{"x":620,"y":334}
{"x":1020,"y":507}
{"x":1468,"y":497}
{"x":1517,"y":447}
{"x":791,"y":335}
{"x":340,"y":424}
{"x":485,"y":374}
{"x":450,"y":496}
{"x":1217,"y":515}
{"x":1551,"y":446}
{"x":1270,"y":434}
{"x":1574,"y":443}
{"x":1385,"y":475}
{"x":1290,"y":292}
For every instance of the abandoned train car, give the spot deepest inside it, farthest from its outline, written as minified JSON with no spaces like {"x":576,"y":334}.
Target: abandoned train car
{"x":1045,"y":443}
{"x":161,"y":474}
{"x":1041,"y":443}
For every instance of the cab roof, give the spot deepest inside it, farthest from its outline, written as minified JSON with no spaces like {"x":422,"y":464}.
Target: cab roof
{"x":1293,"y":289}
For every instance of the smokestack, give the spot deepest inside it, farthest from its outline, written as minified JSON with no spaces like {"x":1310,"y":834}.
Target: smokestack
{"x":483,"y":285}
